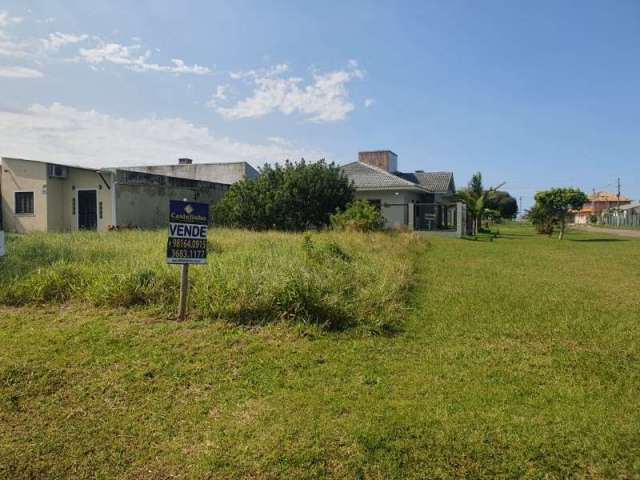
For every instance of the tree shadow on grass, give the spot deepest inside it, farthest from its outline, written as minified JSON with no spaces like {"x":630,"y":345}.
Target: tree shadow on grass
{"x":598,"y":239}
{"x":518,"y":235}
{"x":328,"y":318}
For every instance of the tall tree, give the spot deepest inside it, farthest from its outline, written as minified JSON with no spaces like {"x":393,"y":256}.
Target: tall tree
{"x":504,"y":203}
{"x":475,"y":197}
{"x":292,"y":196}
{"x":558,"y":202}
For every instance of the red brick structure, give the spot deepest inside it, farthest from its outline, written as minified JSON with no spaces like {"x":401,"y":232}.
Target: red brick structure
{"x":384,"y":159}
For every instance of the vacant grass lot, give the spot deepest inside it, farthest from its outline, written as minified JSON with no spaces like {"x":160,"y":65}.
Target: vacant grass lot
{"x":331,"y":280}
{"x":521,"y":359}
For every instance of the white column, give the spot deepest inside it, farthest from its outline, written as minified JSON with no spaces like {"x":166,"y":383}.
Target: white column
{"x":460,"y":220}
{"x":412,"y":209}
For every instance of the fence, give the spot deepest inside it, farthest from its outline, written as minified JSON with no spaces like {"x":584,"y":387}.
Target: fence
{"x":623,"y":219}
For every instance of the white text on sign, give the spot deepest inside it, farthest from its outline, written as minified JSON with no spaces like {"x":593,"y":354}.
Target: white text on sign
{"x":188,"y":230}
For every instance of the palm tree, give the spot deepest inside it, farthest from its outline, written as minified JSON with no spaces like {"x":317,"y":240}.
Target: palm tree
{"x":475,"y":197}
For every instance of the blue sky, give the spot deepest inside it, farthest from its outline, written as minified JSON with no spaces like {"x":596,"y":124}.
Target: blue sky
{"x":536,"y":94}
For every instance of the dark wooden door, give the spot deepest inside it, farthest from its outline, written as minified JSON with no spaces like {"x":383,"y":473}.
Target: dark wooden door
{"x":87,"y":210}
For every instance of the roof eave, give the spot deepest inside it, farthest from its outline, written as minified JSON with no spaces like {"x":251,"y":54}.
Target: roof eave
{"x":416,"y":188}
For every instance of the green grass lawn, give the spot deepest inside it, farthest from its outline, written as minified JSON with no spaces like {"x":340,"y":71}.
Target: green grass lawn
{"x":520,"y":358}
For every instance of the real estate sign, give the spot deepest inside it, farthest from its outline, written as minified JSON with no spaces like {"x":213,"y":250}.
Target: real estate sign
{"x":1,"y":243}
{"x":188,"y":227}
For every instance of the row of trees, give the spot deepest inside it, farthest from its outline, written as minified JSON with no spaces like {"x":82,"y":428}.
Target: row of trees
{"x":552,"y":207}
{"x":297,"y":196}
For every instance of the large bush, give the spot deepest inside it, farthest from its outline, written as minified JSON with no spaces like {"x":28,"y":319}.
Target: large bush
{"x":542,"y":219}
{"x":295,"y":196}
{"x":359,"y":216}
{"x":557,"y":203}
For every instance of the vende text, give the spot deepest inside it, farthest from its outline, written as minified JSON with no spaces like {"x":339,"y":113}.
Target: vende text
{"x":187,"y":230}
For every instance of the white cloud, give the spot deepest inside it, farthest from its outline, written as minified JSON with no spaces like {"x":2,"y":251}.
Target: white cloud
{"x":220,"y":95}
{"x":6,"y":19}
{"x":273,"y":71}
{"x":8,"y":46}
{"x":325,"y":99}
{"x":57,"y":40}
{"x":11,"y":48}
{"x":368,"y":102}
{"x":41,"y":50}
{"x":136,"y":59}
{"x":19,"y":72}
{"x":59,"y":133}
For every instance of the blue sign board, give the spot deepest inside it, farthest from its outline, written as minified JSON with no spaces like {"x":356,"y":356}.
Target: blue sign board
{"x":188,"y":228}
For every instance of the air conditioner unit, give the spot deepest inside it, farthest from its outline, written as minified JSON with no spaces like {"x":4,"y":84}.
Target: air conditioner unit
{"x":58,"y":171}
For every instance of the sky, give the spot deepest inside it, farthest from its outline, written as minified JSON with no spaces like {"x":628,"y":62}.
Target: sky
{"x":536,"y":94}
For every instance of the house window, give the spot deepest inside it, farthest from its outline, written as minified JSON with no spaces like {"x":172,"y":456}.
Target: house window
{"x":24,"y":203}
{"x":100,"y":210}
{"x":73,"y":206}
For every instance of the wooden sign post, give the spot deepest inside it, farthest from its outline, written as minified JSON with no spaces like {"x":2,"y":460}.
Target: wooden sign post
{"x":187,"y":244}
{"x":184,"y":292}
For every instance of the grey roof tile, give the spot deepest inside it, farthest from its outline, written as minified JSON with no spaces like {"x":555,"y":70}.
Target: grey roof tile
{"x":436,"y":182}
{"x":366,"y":176}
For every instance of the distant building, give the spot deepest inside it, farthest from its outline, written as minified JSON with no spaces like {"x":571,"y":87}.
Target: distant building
{"x":630,"y":209}
{"x":41,"y":196}
{"x":229,"y":172}
{"x":419,"y":200}
{"x":598,"y":203}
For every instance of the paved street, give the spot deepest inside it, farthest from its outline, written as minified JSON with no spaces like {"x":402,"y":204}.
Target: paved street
{"x":612,"y":231}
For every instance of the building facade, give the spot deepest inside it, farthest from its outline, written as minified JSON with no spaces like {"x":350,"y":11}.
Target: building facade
{"x":418,"y":200}
{"x":229,"y":172}
{"x":599,"y":203}
{"x":47,"y":197}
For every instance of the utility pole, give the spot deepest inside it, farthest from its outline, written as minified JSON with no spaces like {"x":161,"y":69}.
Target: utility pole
{"x":521,"y":212}
{"x":618,"y":205}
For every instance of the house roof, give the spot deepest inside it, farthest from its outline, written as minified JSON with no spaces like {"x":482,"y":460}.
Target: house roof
{"x":583,"y":211}
{"x":631,"y":206}
{"x":606,"y":197}
{"x":366,"y":176}
{"x":78,"y":167}
{"x":436,"y":182}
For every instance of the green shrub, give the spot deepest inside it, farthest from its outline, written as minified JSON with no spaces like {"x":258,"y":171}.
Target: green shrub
{"x":295,"y":196}
{"x":359,"y":216}
{"x":543,"y":221}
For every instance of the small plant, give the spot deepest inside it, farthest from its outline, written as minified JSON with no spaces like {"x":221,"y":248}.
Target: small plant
{"x":359,"y":216}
